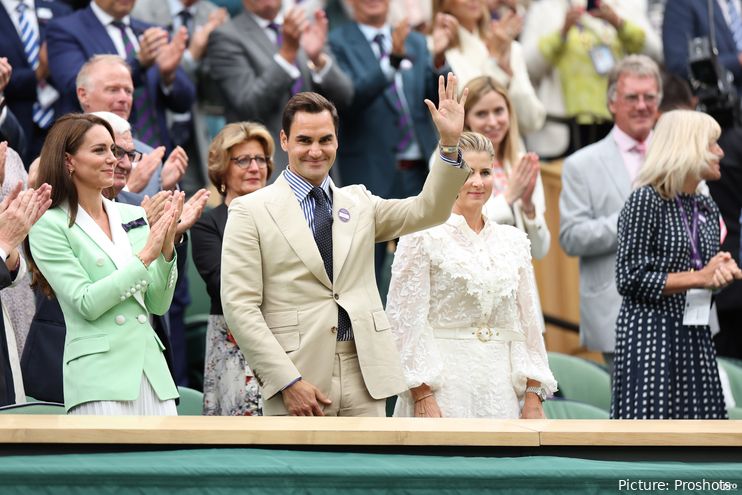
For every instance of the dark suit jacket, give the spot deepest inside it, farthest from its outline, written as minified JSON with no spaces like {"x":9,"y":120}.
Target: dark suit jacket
{"x":7,"y":390}
{"x":206,"y":237}
{"x":12,"y":132}
{"x":687,"y":19}
{"x":254,"y":85}
{"x":21,"y":90}
{"x":368,"y":126}
{"x":72,"y":41}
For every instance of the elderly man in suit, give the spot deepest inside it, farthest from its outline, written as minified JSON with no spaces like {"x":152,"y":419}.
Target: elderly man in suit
{"x":596,"y":181}
{"x":31,"y":97}
{"x":298,"y":285}
{"x":261,"y":57}
{"x":106,"y":26}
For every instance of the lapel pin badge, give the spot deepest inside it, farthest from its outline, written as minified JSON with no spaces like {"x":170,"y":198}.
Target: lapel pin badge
{"x":343,"y":215}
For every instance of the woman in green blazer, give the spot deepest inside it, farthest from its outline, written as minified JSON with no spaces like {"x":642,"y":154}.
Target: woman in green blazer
{"x":109,"y":270}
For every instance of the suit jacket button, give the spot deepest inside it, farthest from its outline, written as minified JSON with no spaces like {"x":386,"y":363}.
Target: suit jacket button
{"x":120,"y":319}
{"x":142,"y":319}
{"x":336,"y":296}
{"x":334,"y":330}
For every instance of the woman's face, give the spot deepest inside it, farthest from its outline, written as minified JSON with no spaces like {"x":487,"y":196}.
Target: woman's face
{"x":478,"y":187}
{"x":713,"y":170}
{"x":93,"y":164}
{"x":467,"y":12}
{"x":246,"y":175}
{"x":490,"y":116}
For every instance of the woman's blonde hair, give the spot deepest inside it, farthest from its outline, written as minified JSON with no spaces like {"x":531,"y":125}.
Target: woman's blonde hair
{"x":230,"y":136}
{"x":476,"y":143}
{"x":508,"y":149}
{"x":679,"y":150}
{"x":483,"y":25}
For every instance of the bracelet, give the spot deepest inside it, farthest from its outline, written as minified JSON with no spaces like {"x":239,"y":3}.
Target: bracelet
{"x":448,"y":150}
{"x":140,"y":259}
{"x":429,"y":394}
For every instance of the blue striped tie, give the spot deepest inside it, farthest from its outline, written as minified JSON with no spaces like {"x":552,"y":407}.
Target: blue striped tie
{"x":735,"y":24}
{"x":30,"y":40}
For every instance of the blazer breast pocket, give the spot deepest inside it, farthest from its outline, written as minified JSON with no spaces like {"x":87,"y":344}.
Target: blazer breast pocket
{"x":85,"y":346}
{"x":285,"y":328}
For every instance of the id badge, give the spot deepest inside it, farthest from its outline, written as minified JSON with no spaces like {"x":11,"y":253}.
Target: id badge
{"x":697,"y":307}
{"x":602,"y":58}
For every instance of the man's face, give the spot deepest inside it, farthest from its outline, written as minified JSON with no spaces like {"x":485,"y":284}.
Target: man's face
{"x":118,"y":9}
{"x":634,"y":107}
{"x":109,"y":89}
{"x":266,"y":9}
{"x":311,"y":145}
{"x":371,"y":12}
{"x":123,"y":165}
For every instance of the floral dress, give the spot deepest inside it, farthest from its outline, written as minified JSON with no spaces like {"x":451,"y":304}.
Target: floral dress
{"x":463,"y":313}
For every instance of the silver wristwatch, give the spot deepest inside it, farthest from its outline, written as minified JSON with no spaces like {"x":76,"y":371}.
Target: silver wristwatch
{"x":539,"y":391}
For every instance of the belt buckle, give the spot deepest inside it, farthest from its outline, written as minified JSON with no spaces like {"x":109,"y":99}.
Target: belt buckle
{"x":484,"y":334}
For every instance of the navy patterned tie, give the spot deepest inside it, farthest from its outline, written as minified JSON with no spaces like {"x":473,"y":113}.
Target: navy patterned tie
{"x":298,"y":84}
{"x":403,"y":120}
{"x":323,"y":238}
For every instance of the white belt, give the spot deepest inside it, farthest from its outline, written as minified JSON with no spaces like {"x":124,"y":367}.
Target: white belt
{"x":483,"y":334}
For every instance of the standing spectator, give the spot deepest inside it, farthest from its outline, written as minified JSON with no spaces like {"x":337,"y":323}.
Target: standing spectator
{"x":10,"y":129}
{"x":105,"y":26}
{"x":486,"y":47}
{"x":262,"y":57}
{"x":595,"y":184}
{"x":569,"y":53}
{"x":200,"y":18}
{"x":32,"y":98}
{"x":667,"y":265}
{"x":241,"y":161}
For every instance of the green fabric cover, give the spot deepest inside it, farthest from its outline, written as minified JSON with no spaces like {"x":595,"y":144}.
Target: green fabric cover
{"x":261,"y":471}
{"x":581,"y":380}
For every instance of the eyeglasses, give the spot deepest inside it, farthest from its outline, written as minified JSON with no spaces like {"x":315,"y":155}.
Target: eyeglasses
{"x":633,"y":98}
{"x":119,"y":153}
{"x":244,"y":161}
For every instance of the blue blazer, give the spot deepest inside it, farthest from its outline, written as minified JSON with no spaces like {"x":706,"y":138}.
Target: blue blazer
{"x":368,"y":126}
{"x":72,"y":41}
{"x":687,"y":19}
{"x":21,"y":90}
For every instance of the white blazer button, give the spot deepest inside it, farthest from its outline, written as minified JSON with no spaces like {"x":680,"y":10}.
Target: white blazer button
{"x":128,"y":293}
{"x":99,"y":262}
{"x":138,"y":286}
{"x":120,"y":319}
{"x":144,"y":282}
{"x":123,"y":298}
{"x":142,"y":319}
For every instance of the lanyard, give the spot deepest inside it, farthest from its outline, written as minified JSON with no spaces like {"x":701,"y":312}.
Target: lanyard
{"x":692,"y":230}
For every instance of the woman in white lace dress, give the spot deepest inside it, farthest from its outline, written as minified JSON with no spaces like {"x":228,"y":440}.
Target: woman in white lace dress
{"x":462,"y":304}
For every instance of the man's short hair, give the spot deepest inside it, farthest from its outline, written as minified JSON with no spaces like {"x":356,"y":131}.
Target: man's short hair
{"x":634,"y":65}
{"x":83,"y":77}
{"x":676,"y":93}
{"x":310,"y":103}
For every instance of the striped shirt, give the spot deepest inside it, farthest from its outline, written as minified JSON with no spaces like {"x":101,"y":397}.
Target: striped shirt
{"x":301,"y":189}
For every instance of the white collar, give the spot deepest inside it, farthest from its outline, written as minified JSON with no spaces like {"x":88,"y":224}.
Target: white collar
{"x":105,"y":18}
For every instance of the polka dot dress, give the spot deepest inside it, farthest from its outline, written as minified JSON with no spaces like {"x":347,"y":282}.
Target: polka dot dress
{"x":663,"y":370}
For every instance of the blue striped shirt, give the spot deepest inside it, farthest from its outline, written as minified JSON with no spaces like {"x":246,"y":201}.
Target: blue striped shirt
{"x":301,"y":189}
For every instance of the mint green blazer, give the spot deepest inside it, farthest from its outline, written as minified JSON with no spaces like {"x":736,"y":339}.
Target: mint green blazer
{"x":106,"y":295}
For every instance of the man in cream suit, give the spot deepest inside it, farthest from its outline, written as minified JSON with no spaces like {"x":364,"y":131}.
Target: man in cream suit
{"x":298,"y":283}
{"x":596,"y":181}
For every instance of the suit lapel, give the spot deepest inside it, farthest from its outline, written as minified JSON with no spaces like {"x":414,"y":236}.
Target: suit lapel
{"x":289,"y":219}
{"x":254,"y":34}
{"x":612,"y":163}
{"x":11,"y":37}
{"x":96,"y":33}
{"x":344,"y":223}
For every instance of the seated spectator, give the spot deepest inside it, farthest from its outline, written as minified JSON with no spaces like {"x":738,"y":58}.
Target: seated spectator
{"x":486,"y":47}
{"x":569,"y":53}
{"x":105,"y":26}
{"x":240,"y":162}
{"x":109,"y":271}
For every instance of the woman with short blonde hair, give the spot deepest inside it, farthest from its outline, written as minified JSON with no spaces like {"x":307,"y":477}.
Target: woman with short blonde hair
{"x":667,"y":265}
{"x":240,"y":162}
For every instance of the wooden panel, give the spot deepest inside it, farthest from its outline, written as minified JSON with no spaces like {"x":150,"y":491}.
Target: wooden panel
{"x":263,"y":431}
{"x":693,"y":433}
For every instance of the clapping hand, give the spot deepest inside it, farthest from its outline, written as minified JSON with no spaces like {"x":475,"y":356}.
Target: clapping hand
{"x":168,"y":244}
{"x":720,"y":271}
{"x":192,"y":210}
{"x":19,"y":211}
{"x":314,"y":37}
{"x":155,"y":206}
{"x":141,"y":174}
{"x":159,"y":232}
{"x":174,"y":168}
{"x":449,"y":116}
{"x":522,"y":180}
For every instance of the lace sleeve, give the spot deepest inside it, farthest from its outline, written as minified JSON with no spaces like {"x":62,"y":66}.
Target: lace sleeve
{"x":407,"y":308}
{"x":529,"y":360}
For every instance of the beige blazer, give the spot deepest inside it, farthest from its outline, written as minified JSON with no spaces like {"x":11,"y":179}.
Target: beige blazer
{"x":278,"y":300}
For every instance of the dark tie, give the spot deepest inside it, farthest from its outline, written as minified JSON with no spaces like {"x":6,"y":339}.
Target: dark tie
{"x":323,"y":238}
{"x":186,"y":20}
{"x":144,"y":117}
{"x":404,"y":125}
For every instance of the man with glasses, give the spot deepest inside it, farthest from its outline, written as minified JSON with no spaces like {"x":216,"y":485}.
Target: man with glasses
{"x":596,"y":181}
{"x":104,"y":84}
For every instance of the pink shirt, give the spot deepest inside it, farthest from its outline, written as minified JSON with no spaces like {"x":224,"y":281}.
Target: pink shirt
{"x":632,"y":151}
